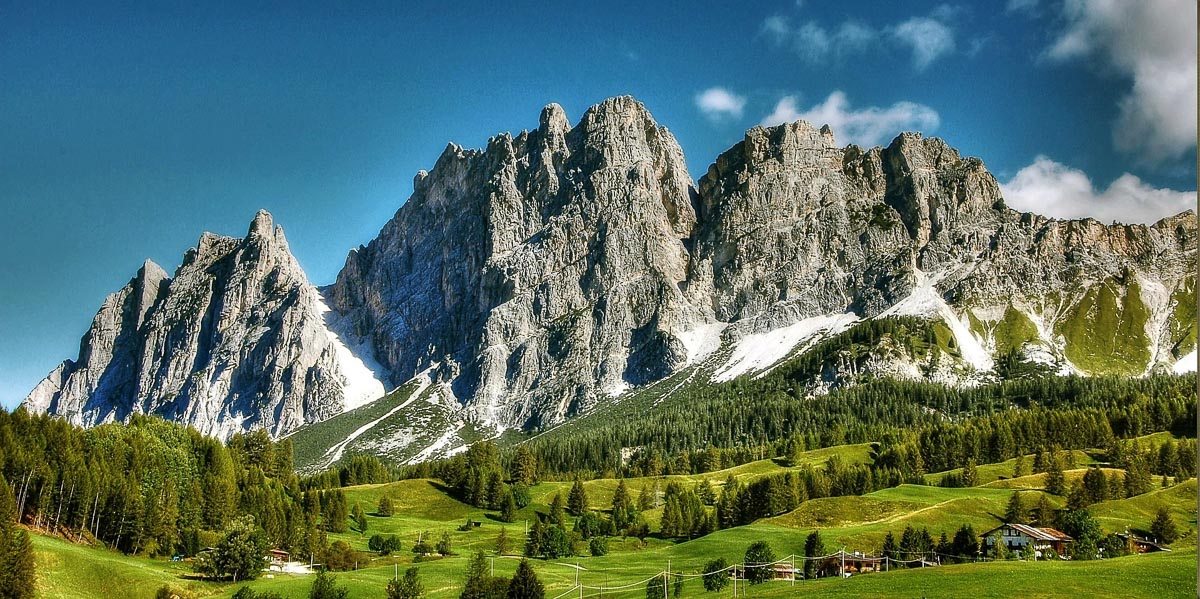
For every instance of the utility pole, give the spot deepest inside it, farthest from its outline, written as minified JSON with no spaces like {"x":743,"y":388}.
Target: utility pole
{"x":793,"y":569}
{"x":666,"y":579}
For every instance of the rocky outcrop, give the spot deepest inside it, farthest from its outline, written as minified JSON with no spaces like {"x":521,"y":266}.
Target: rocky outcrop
{"x":235,"y":340}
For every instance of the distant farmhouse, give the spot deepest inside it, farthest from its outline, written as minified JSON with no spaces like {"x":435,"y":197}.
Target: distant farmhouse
{"x":1017,"y":536}
{"x":1140,"y":544}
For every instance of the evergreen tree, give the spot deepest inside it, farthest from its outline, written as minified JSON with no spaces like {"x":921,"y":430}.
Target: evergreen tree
{"x":814,"y":546}
{"x":890,"y":548}
{"x":1055,"y":482}
{"x":1163,"y":528}
{"x":646,"y":497}
{"x":966,"y":543}
{"x":503,"y":545}
{"x":17,"y":567}
{"x":480,"y":584}
{"x":557,"y":514}
{"x":508,"y":507}
{"x":360,"y":518}
{"x":409,"y":587}
{"x":577,"y":499}
{"x":704,"y":490}
{"x":325,"y":586}
{"x":524,"y":466}
{"x":525,"y":583}
{"x":1019,"y":468}
{"x":1015,"y":512}
{"x":1095,"y":485}
{"x":970,"y":473}
{"x":623,"y":512}
{"x":1044,"y":514}
{"x":385,"y":506}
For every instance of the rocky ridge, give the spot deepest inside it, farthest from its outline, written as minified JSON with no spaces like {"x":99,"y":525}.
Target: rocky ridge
{"x":551,"y":270}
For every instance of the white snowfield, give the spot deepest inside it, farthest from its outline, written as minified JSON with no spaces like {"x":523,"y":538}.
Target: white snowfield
{"x":356,"y":360}
{"x":702,"y":341}
{"x":759,"y":351}
{"x":1185,"y":364}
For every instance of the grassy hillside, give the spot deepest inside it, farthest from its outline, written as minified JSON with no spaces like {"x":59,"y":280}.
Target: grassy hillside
{"x":856,"y":523}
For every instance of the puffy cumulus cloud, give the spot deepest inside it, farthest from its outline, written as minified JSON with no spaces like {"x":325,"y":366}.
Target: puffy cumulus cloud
{"x":866,"y":126}
{"x":1053,"y":189}
{"x":719,"y":103}
{"x":1154,"y":44}
{"x":929,"y":40}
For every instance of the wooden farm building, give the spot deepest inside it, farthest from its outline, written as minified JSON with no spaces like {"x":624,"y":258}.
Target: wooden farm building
{"x":1018,"y":536}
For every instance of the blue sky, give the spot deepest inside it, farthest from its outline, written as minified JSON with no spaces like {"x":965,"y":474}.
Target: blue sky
{"x":129,"y":129}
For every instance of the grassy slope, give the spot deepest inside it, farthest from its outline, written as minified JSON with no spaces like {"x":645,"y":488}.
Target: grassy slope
{"x":1105,"y":330}
{"x":856,"y":522}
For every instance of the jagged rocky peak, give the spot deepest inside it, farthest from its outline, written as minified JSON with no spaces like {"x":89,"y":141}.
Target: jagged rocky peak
{"x":235,"y":340}
{"x":551,"y":278}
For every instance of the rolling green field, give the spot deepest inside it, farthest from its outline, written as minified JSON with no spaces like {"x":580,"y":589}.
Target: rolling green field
{"x":422,"y":507}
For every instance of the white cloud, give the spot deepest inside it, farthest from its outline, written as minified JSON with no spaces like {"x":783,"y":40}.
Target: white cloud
{"x":928,"y":38}
{"x":719,"y":103}
{"x":1022,"y":6}
{"x":1053,"y":189}
{"x":776,"y":28}
{"x":1154,"y":44}
{"x":866,"y":127}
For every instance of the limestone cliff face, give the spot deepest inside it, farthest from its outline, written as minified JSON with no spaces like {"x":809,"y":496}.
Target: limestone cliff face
{"x":550,"y":270}
{"x":537,"y":273}
{"x":235,"y":340}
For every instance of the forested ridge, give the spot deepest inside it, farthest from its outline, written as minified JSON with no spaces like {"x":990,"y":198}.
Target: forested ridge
{"x":709,"y":427}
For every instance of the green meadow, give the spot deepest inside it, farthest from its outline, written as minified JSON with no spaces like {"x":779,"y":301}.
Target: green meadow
{"x":857,"y":523}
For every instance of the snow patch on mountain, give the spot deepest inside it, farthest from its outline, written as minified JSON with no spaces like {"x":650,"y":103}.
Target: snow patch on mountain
{"x":1157,"y":299}
{"x":701,"y":341}
{"x":759,"y":351}
{"x":1185,"y":364}
{"x":356,"y":358}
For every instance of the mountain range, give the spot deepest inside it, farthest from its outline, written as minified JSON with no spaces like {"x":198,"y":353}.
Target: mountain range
{"x":529,"y":281}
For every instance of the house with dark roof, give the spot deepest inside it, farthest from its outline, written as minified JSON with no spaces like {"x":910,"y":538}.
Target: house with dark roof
{"x":1018,"y":536}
